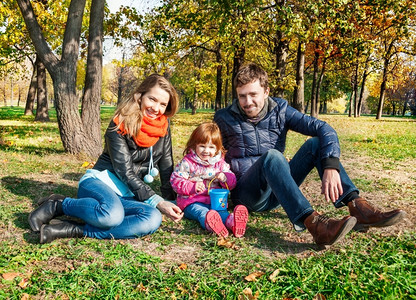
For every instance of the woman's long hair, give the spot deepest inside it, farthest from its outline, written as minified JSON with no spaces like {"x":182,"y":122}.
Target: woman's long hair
{"x":129,"y":112}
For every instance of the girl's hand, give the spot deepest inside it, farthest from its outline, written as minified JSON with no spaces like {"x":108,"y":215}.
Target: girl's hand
{"x":200,"y":187}
{"x":170,"y":210}
{"x":221,"y":177}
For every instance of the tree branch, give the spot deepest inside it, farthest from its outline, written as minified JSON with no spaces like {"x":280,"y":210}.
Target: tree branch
{"x":35,"y":33}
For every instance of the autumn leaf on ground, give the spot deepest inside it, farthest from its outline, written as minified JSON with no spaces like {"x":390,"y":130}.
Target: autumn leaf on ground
{"x":248,"y":295}
{"x":141,"y":288}
{"x":25,"y":297}
{"x":88,"y":164}
{"x":254,"y":276}
{"x":319,"y":297}
{"x":226,"y":243}
{"x":273,"y":276}
{"x":183,"y":267}
{"x":10,"y":276}
{"x":24,"y":283}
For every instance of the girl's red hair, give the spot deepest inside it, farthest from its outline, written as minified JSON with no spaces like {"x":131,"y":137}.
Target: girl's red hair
{"x":203,"y":134}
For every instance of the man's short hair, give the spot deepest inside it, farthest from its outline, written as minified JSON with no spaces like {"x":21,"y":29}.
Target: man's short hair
{"x":250,"y":73}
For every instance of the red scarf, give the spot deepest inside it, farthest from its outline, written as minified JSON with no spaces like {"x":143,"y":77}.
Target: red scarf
{"x":150,"y":131}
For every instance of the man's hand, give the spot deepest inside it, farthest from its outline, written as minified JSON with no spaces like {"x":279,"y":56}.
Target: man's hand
{"x":170,"y":210}
{"x":200,"y":187}
{"x":331,"y":185}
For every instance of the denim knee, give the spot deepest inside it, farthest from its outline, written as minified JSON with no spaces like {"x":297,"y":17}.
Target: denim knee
{"x":274,"y":157}
{"x":109,"y":218}
{"x":313,"y":145}
{"x":148,"y":223}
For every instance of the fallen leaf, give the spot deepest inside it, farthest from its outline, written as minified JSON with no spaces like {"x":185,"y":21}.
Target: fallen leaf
{"x":25,"y":297}
{"x":381,"y":277}
{"x":226,"y":243}
{"x":254,"y":276}
{"x":10,"y":276}
{"x":24,"y":283}
{"x":248,"y":294}
{"x":141,"y":288}
{"x":273,"y":276}
{"x":183,"y":267}
{"x":319,"y":297}
{"x":85,"y":164}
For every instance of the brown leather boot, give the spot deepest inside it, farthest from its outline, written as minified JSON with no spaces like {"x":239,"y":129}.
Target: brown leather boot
{"x":368,"y":216}
{"x":326,"y":231}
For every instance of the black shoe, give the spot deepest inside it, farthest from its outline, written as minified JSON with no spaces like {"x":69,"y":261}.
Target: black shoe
{"x":48,"y":210}
{"x":62,"y":229}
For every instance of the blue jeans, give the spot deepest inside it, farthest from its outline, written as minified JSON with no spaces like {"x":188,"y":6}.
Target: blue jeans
{"x":272,"y":181}
{"x":198,"y":211}
{"x":108,"y":215}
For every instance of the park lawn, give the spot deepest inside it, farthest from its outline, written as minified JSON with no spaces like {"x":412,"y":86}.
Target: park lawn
{"x":182,"y":261}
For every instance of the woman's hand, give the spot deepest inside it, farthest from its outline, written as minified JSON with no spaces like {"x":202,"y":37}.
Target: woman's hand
{"x":170,"y":210}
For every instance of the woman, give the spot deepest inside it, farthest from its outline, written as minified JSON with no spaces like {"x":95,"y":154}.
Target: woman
{"x":113,"y":197}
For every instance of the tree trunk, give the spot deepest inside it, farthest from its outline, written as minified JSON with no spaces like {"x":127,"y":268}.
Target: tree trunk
{"x":31,"y":93}
{"x":406,"y":101}
{"x":281,"y":52}
{"x":90,"y":109}
{"x":382,"y":90}
{"x":299,"y":92}
{"x":355,"y":90}
{"x":314,"y":101}
{"x":20,"y":95}
{"x":238,"y":60}
{"x":226,"y":92}
{"x":195,"y":101}
{"x":42,"y":111}
{"x":350,"y":103}
{"x":386,"y":60}
{"x":76,"y":138}
{"x":318,"y":88}
{"x":226,"y":86}
{"x":219,"y":77}
{"x":360,"y":101}
{"x":120,"y":81}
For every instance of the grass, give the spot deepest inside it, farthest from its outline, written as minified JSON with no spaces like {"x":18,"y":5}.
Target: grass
{"x":182,"y":261}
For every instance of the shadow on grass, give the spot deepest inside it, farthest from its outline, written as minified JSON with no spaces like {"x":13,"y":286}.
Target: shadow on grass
{"x":11,"y":137}
{"x":32,"y":150}
{"x":34,"y":189}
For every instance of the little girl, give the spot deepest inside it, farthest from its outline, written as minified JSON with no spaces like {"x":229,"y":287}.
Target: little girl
{"x":203,"y":161}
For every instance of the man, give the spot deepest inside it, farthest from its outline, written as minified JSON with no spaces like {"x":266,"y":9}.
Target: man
{"x":254,"y":132}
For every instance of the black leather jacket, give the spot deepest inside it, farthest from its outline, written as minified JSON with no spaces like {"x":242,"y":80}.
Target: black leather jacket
{"x":130,"y":162}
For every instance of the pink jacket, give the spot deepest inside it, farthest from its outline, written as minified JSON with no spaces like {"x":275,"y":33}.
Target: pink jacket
{"x":192,"y":169}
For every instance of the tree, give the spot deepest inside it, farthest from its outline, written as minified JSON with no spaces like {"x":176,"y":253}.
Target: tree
{"x":42,"y":99}
{"x":79,"y":134}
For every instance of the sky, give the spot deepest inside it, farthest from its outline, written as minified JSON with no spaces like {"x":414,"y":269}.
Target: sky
{"x":110,"y":51}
